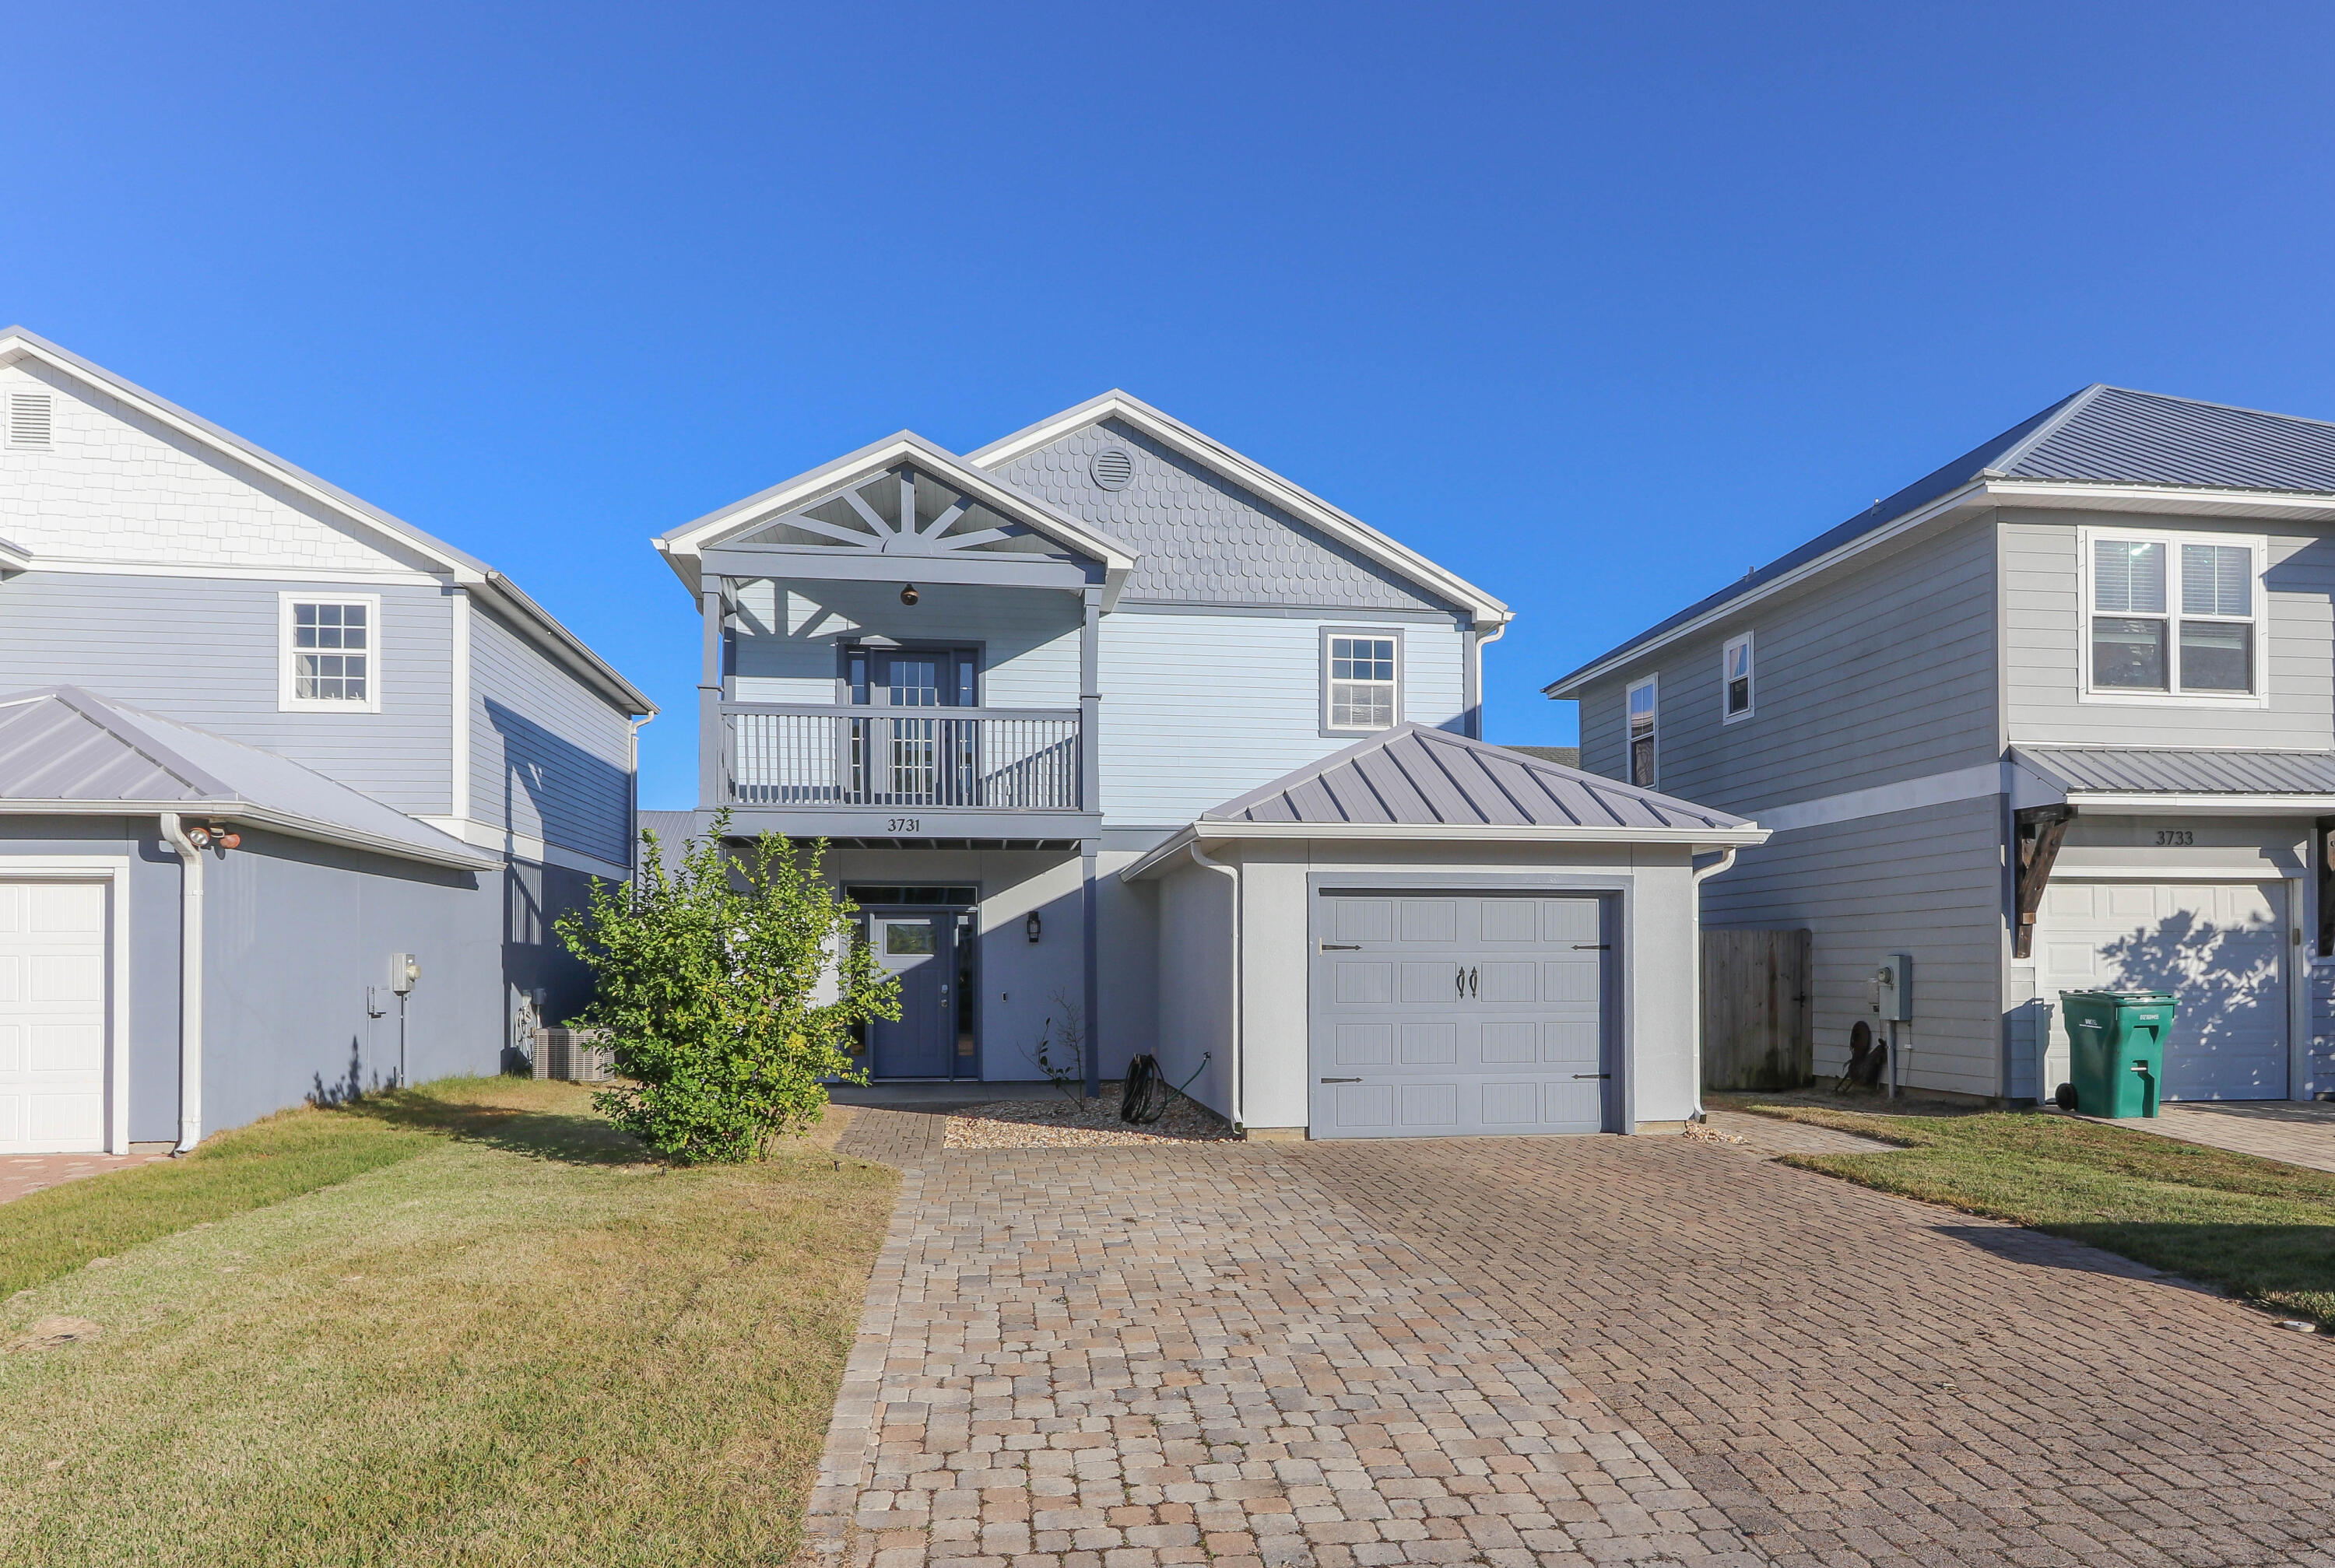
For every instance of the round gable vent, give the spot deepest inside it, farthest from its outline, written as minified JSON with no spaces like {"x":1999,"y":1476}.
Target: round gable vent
{"x":1112,"y":467}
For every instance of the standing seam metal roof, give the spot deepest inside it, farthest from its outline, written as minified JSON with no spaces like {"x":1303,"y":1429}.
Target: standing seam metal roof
{"x":1417,"y":776}
{"x":2100,"y":435}
{"x":2167,"y":770}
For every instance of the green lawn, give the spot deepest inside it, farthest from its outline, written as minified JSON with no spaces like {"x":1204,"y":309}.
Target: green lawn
{"x":2257,"y":1228}
{"x":463,"y":1324}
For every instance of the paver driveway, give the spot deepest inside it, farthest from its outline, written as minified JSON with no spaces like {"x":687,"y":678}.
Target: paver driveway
{"x":1536,"y":1351}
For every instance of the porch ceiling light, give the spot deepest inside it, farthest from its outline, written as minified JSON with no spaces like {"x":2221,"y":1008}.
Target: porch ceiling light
{"x":907,"y":592}
{"x":1033,"y":926}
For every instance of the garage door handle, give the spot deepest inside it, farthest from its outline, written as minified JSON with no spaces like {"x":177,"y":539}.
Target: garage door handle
{"x":1582,"y":1075}
{"x":1591,"y":946}
{"x":1342,"y":1080}
{"x":1342,"y":947}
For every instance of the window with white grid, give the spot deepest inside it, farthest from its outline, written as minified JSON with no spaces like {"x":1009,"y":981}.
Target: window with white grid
{"x":1362,"y":675}
{"x":331,"y":653}
{"x":2173,"y":617}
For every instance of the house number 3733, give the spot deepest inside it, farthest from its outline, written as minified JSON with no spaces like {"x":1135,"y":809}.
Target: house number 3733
{"x":2175,"y":839}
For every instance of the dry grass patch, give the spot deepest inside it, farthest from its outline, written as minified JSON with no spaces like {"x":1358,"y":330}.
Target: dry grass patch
{"x":516,"y":1345}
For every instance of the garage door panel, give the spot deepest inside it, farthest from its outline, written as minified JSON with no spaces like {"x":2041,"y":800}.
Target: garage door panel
{"x":53,"y":1016}
{"x":1510,"y":1042}
{"x":1518,"y":1048}
{"x":1425,"y":920}
{"x":1431,"y":1044}
{"x":2218,"y":947}
{"x":1365,"y":1044}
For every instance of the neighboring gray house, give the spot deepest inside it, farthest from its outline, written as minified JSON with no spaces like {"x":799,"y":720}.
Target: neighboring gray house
{"x":1031,"y":697}
{"x":256,"y":737}
{"x":2060,"y":714}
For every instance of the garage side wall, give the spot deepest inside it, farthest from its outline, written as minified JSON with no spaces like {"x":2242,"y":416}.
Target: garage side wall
{"x":295,"y":932}
{"x":1196,"y":1007}
{"x":1925,"y":882}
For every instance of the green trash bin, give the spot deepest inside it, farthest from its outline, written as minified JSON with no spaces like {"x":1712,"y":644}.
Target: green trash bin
{"x":2116,"y":1050}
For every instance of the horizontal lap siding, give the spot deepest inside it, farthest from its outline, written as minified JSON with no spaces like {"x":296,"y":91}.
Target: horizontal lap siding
{"x":204,"y":651}
{"x":548,"y":760}
{"x":2043,"y":628}
{"x":1199,"y":709}
{"x":1926,"y":882}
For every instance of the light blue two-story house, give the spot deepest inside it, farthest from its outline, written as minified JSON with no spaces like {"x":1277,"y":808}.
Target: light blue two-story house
{"x":2058,"y":716}
{"x":1113,"y":729}
{"x":290,"y":791}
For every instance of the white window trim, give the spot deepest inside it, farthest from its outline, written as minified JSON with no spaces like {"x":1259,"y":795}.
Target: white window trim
{"x":113,"y":870}
{"x":288,"y":686}
{"x":2119,"y":696}
{"x":1402,"y":667}
{"x":1751,"y":674}
{"x":1629,"y":750}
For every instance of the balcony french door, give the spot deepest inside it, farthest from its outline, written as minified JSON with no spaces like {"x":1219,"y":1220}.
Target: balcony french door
{"x":910,"y":760}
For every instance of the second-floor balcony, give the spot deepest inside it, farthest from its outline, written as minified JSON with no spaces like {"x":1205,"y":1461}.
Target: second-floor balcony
{"x":804,"y":757}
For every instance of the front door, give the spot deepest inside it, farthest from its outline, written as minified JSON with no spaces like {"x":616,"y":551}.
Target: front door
{"x":920,"y":950}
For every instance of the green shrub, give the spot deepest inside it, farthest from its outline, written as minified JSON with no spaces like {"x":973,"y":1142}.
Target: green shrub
{"x":707,"y":975}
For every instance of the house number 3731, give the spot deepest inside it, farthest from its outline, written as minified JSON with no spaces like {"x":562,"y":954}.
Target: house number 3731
{"x":915,"y":825}
{"x":2175,"y":839}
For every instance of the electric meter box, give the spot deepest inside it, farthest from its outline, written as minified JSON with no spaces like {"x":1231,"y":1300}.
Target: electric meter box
{"x":1893,"y":988}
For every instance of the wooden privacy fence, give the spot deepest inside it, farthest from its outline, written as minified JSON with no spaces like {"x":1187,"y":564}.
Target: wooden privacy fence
{"x":1757,"y":1026}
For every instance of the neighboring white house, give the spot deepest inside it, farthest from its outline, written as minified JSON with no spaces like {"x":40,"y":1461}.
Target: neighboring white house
{"x":2059,"y":715}
{"x":258,"y":740}
{"x":1030,"y":695}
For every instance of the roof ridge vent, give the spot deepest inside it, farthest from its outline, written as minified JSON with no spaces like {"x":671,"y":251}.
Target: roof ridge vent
{"x":31,"y":419}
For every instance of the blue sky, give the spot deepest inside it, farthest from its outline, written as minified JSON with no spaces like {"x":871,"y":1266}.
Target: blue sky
{"x":1598,"y":307}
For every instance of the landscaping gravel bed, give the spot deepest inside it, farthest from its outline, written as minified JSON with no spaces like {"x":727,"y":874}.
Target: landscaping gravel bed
{"x":1063,"y":1123}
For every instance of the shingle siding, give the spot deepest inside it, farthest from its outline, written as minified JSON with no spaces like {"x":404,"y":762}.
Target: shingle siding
{"x":1202,"y":541}
{"x":548,"y":760}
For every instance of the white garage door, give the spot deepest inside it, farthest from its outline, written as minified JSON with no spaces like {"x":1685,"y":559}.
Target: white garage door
{"x":2219,"y":946}
{"x":52,"y":939}
{"x":1442,"y":1014}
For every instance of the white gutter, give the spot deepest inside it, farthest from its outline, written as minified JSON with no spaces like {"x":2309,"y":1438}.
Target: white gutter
{"x":1694,"y":985}
{"x":190,"y":983}
{"x":1239,"y":995}
{"x":1697,"y":840}
{"x":250,"y":816}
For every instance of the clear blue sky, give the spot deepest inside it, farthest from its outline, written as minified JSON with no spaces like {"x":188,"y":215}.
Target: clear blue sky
{"x":1598,"y":307}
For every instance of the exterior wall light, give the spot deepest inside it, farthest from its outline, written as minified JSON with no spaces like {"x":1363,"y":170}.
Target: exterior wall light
{"x":1033,"y":926}
{"x":907,"y":592}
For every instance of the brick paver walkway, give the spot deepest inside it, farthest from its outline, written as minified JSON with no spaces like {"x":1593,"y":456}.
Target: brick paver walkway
{"x":21,"y":1174}
{"x":2297,"y":1132}
{"x":1537,"y":1351}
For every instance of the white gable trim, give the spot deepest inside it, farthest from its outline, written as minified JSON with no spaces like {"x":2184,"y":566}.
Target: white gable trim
{"x":1249,"y":474}
{"x":683,"y":547}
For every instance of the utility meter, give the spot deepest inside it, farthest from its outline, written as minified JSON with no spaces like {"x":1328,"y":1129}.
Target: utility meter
{"x":404,"y":969}
{"x":1893,"y":988}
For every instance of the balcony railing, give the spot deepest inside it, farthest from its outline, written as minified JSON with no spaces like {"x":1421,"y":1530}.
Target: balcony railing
{"x":810,"y":757}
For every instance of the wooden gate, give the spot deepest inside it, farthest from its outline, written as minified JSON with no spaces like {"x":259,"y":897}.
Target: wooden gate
{"x":1757,"y":1026}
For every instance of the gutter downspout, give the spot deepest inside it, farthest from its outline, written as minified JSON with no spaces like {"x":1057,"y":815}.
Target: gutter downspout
{"x":1482,"y":643}
{"x":190,"y":984}
{"x":1694,"y":989}
{"x":1240,"y":995}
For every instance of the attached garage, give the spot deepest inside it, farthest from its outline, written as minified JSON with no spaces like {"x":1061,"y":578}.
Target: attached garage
{"x":1425,"y":936}
{"x":2219,"y":946}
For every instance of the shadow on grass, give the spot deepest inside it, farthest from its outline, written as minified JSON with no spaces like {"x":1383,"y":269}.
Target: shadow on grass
{"x":566,"y":1136}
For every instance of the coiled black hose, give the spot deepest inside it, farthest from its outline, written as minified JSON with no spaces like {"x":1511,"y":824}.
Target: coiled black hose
{"x":1145,"y":1097}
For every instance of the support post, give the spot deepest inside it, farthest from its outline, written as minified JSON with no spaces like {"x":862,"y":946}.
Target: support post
{"x":710,"y":793}
{"x":1090,"y":704}
{"x":2038,"y":831}
{"x":1093,"y":977}
{"x":2323,"y":865}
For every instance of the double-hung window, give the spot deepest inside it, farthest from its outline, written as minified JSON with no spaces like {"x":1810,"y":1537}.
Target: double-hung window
{"x":1362,"y":681}
{"x":1735,"y":678}
{"x":2173,"y":615}
{"x":1644,"y":704}
{"x":330,"y":654}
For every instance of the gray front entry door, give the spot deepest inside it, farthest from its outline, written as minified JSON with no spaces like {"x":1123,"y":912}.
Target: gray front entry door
{"x":1465,"y":1012}
{"x":918,"y":950}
